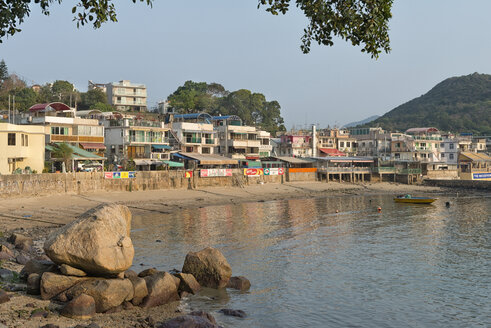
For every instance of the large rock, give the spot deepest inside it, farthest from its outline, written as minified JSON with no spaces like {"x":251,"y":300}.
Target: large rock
{"x":37,"y":266}
{"x":81,"y":307}
{"x":161,"y":289}
{"x":71,"y":271}
{"x":4,"y":297}
{"x":20,"y":241}
{"x":5,"y":253}
{"x":140,"y":290}
{"x":197,"y":319}
{"x":98,"y":242}
{"x":209,"y":267}
{"x":33,"y":284}
{"x":107,"y":293}
{"x":240,"y":283}
{"x":187,"y":283}
{"x":53,"y":284}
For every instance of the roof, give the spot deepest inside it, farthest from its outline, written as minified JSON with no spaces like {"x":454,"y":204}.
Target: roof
{"x":355,"y":159}
{"x":78,"y":153}
{"x":422,"y":130}
{"x":173,"y":164}
{"x":476,"y":157}
{"x":209,"y":159}
{"x":94,"y":145}
{"x":193,"y":116}
{"x":332,"y":152}
{"x":161,"y":146}
{"x":226,"y":117}
{"x":58,"y":106}
{"x":293,"y":160}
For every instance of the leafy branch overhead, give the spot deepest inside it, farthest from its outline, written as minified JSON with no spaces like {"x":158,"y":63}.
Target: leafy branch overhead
{"x":362,"y":22}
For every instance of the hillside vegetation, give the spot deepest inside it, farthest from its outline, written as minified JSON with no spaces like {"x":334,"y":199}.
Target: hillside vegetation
{"x":458,"y":104}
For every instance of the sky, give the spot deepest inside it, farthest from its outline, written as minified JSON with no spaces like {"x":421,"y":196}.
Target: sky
{"x":234,"y":43}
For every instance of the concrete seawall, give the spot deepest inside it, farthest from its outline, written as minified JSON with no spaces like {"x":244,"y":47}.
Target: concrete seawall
{"x":464,"y":184}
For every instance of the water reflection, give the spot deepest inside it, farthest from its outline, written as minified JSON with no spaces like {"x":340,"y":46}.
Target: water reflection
{"x":410,"y":265}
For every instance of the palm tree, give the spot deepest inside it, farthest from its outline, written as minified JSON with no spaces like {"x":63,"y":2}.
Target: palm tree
{"x":64,"y":152}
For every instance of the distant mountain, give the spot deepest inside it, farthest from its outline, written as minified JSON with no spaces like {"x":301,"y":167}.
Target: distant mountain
{"x":458,"y":104}
{"x":367,"y":120}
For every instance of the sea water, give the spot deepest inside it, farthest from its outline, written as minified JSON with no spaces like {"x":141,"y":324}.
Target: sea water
{"x":407,"y":266}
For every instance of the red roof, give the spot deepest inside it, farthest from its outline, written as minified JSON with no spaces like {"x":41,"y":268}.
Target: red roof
{"x":332,"y":152}
{"x":92,"y":145}
{"x":422,"y":130}
{"x":58,"y":106}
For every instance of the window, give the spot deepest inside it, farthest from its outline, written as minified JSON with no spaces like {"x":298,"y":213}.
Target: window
{"x":451,"y":146}
{"x":443,"y":155}
{"x":348,"y":144}
{"x":451,"y":156}
{"x":341,"y":144}
{"x":205,"y":150}
{"x":11,"y":139}
{"x":59,"y":130}
{"x":27,"y":140}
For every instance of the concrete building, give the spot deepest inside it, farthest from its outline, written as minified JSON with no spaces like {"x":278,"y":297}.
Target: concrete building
{"x":474,"y":166}
{"x":194,"y":133}
{"x":127,"y":96}
{"x":449,"y":149}
{"x":374,"y":142}
{"x":296,"y":145}
{"x":417,"y":144}
{"x":22,"y":147}
{"x":144,"y":142}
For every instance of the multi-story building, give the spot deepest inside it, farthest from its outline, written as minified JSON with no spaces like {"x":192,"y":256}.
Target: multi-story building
{"x":425,"y":144}
{"x":127,"y":96}
{"x":374,"y":142}
{"x":449,"y":149}
{"x":194,"y":133}
{"x":22,"y":148}
{"x":145,"y":142}
{"x":240,"y":141}
{"x":296,"y":145}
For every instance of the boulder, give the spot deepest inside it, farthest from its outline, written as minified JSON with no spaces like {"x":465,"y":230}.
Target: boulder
{"x":140,"y":290}
{"x":4,"y":297}
{"x":239,"y":283}
{"x":107,"y":293}
{"x":187,"y":283}
{"x":33,"y":284}
{"x":98,"y":242}
{"x":197,"y":319}
{"x":161,"y":289}
{"x":37,"y":266}
{"x":22,"y":259}
{"x":209,"y":267}
{"x":53,"y":284}
{"x":6,"y":274}
{"x":130,"y":274}
{"x":148,"y":272}
{"x":71,"y":271}
{"x":81,"y":307}
{"x":5,"y":253}
{"x":20,"y":241}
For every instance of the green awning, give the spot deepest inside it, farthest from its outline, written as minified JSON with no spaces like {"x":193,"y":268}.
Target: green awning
{"x":254,"y":164}
{"x":49,"y":148}
{"x":83,"y":153}
{"x":174,"y":164}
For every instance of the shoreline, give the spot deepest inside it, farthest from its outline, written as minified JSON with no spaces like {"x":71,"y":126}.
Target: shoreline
{"x":38,"y":216}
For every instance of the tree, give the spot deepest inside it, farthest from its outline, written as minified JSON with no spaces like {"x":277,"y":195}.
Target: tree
{"x":103,"y":107}
{"x":4,"y":72}
{"x":195,"y":97}
{"x":362,"y":22}
{"x":64,"y":152}
{"x":92,"y":97}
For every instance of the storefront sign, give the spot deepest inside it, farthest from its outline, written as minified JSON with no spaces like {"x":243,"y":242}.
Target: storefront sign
{"x":274,"y":171}
{"x":302,"y":170}
{"x":481,"y":176}
{"x":204,"y":173}
{"x":188,"y":174}
{"x":253,"y":172}
{"x":119,"y":175}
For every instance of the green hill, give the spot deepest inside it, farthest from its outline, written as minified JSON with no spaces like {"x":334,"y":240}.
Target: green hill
{"x":458,"y":104}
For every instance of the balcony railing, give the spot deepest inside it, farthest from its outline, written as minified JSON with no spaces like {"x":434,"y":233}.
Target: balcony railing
{"x":382,"y":169}
{"x":210,"y":141}
{"x":193,"y":140}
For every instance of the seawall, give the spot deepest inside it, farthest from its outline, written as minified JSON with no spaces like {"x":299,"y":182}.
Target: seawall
{"x":464,"y":184}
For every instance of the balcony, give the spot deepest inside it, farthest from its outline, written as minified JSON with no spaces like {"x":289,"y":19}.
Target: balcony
{"x":243,"y":143}
{"x":64,"y":138}
{"x":193,"y":140}
{"x":139,"y":139}
{"x":210,"y":141}
{"x":384,"y":169}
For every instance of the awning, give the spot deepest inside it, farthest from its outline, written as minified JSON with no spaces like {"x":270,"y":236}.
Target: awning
{"x":93,"y":145}
{"x":161,"y":147}
{"x":254,"y":164}
{"x":205,"y":159}
{"x":147,"y":161}
{"x":332,"y":152}
{"x":252,"y":157}
{"x":173,"y":164}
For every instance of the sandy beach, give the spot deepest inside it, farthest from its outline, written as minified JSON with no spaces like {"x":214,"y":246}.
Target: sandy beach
{"x":36,"y":217}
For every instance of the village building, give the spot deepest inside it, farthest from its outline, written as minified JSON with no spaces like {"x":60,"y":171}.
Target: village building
{"x":193,"y":133}
{"x":374,"y":142}
{"x":127,"y":96}
{"x":22,"y":148}
{"x":296,"y":145}
{"x":474,"y":166}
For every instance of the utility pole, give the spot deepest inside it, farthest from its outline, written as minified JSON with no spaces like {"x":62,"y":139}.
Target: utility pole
{"x":9,"y":108}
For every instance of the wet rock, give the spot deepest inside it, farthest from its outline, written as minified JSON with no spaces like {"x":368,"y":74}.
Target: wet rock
{"x":233,"y":313}
{"x":22,"y":259}
{"x":98,"y":242}
{"x":161,"y":289}
{"x":198,"y":319}
{"x":209,"y":267}
{"x":130,"y":274}
{"x":71,"y":271}
{"x":81,"y":307}
{"x":187,"y":283}
{"x":239,"y":283}
{"x":140,"y":290}
{"x":148,"y":272}
{"x":5,"y":253}
{"x":93,"y":325}
{"x":20,"y":242}
{"x":37,"y":266}
{"x":34,"y":284}
{"x":107,"y":293}
{"x":183,"y":294}
{"x":53,"y":284}
{"x":4,"y":297}
{"x":6,"y":275}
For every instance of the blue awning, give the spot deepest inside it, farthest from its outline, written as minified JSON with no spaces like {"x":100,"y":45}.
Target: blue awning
{"x":180,"y":156}
{"x":161,"y":147}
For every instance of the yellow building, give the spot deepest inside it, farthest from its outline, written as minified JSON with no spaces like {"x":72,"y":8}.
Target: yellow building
{"x":21,"y":146}
{"x":474,"y":166}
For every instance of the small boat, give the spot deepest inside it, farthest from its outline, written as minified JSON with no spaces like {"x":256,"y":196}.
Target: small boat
{"x":413,"y":200}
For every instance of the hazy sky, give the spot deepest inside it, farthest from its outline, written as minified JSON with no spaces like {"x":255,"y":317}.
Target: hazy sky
{"x":233,"y":43}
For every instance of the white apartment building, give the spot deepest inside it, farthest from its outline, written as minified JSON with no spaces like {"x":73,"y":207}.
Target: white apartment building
{"x":194,"y":133}
{"x":449,"y":150}
{"x":127,"y":96}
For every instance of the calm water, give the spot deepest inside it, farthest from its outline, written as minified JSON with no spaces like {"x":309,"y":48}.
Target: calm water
{"x":409,"y":266}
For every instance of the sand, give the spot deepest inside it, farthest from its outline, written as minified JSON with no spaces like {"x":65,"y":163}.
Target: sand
{"x":37,"y":216}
